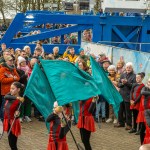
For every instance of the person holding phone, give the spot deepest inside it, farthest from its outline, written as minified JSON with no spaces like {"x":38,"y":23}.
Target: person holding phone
{"x":70,"y":54}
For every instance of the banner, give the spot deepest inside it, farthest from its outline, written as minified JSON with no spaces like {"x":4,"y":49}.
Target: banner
{"x":140,"y":60}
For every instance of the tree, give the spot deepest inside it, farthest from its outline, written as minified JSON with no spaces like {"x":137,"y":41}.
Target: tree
{"x":5,"y":6}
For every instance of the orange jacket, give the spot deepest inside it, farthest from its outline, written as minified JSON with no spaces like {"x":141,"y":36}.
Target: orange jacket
{"x":7,"y":81}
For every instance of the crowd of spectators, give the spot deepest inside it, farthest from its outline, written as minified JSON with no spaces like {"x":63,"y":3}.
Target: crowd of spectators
{"x":17,"y":64}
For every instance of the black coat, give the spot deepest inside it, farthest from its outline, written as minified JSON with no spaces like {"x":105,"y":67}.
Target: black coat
{"x":23,"y":77}
{"x":126,"y":88}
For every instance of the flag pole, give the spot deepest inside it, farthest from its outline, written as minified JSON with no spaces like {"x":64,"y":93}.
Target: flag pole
{"x":71,"y":131}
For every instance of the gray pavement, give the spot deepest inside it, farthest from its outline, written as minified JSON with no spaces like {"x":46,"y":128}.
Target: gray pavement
{"x":35,"y":137}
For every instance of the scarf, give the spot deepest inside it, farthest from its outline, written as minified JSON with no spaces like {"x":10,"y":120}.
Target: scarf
{"x":11,"y":68}
{"x":25,"y":69}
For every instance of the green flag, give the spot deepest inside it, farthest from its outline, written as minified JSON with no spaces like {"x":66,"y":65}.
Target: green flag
{"x":108,"y":90}
{"x":39,"y":92}
{"x":68,"y":82}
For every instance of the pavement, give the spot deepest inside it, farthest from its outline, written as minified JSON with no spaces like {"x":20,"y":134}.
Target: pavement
{"x":35,"y":137}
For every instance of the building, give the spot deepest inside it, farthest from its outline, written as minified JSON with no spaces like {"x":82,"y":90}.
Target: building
{"x":125,"y":5}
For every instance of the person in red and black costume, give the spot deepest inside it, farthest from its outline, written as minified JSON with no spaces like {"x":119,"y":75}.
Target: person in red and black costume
{"x":144,"y":105}
{"x":147,"y":113}
{"x":135,"y":96}
{"x":58,"y":129}
{"x":86,"y":121}
{"x":13,"y":100}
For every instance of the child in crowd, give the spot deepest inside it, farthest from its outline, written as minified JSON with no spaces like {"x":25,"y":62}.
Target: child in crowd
{"x":135,"y":96}
{"x":26,"y":107}
{"x":120,"y":67}
{"x":13,"y":100}
{"x":114,"y":77}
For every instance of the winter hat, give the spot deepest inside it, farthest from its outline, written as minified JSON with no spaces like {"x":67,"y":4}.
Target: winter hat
{"x":106,"y":60}
{"x":102,"y":54}
{"x":55,"y":104}
{"x":81,"y":49}
{"x":17,"y":49}
{"x":21,"y":59}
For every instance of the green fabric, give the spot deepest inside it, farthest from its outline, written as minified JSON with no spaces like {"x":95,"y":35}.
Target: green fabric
{"x":68,"y":82}
{"x":76,"y":110}
{"x":39,"y":92}
{"x":108,"y":90}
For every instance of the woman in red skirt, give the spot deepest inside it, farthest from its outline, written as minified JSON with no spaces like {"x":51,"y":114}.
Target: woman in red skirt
{"x":147,"y":113}
{"x":135,"y":96}
{"x":144,"y":105}
{"x":86,"y":121}
{"x":58,"y":128}
{"x":13,"y":100}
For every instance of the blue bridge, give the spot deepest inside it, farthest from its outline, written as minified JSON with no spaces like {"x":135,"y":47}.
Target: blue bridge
{"x":130,"y":31}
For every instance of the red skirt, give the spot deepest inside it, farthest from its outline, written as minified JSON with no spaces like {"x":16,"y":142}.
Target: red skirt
{"x":88,"y":123}
{"x":140,"y":117}
{"x":61,"y":146}
{"x":16,"y":129}
{"x":147,"y":136}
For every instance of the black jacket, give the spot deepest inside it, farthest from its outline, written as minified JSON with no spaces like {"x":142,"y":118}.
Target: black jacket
{"x":23,"y":77}
{"x":126,"y":88}
{"x":146,"y":92}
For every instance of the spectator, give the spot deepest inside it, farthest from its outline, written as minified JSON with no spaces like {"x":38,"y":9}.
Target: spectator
{"x":105,"y":64}
{"x":102,"y":57}
{"x":83,"y":66}
{"x":120,"y":67}
{"x":5,"y":54}
{"x":82,"y":55}
{"x":50,"y":57}
{"x":23,"y":70}
{"x":8,"y":75}
{"x":23,"y":54}
{"x":28,"y":51}
{"x":39,"y":44}
{"x":3,"y":47}
{"x":38,"y":52}
{"x":12,"y":51}
{"x":56,"y":52}
{"x":17,"y":51}
{"x":114,"y":77}
{"x":125,"y":84}
{"x":71,"y":55}
{"x":135,"y":96}
{"x":31,"y":65}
